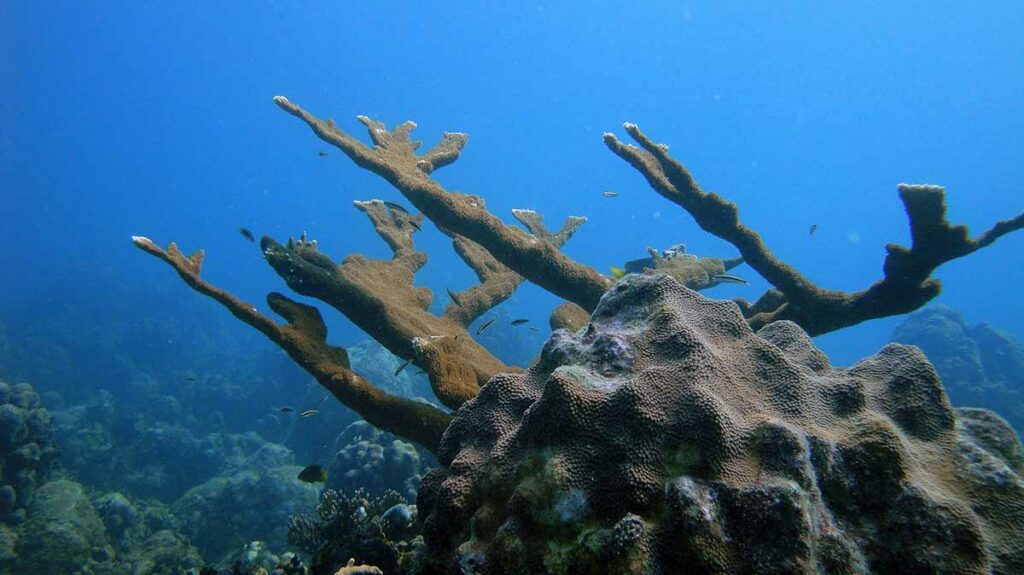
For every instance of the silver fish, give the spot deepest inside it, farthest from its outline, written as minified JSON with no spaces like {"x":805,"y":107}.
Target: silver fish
{"x":728,"y":279}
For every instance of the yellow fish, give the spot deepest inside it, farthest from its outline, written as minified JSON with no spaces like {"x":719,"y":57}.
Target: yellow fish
{"x":619,"y":273}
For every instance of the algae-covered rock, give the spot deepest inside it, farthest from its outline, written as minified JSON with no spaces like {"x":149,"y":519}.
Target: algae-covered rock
{"x":27,"y":449}
{"x":667,"y":437}
{"x":8,"y":547}
{"x":230,"y":510}
{"x":163,"y":553}
{"x":63,"y":532}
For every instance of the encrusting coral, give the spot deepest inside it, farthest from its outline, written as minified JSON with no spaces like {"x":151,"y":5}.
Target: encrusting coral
{"x":379,"y":295}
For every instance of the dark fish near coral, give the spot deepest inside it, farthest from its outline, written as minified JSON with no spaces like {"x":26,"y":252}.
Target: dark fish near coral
{"x":454,"y":297}
{"x":309,"y":413}
{"x":484,"y":326}
{"x":396,"y":207}
{"x":728,"y":279}
{"x":247,"y":234}
{"x":520,"y":321}
{"x":403,"y":366}
{"x":609,"y":194}
{"x":313,"y":474}
{"x":322,"y":153}
{"x":415,"y":225}
{"x":814,"y":228}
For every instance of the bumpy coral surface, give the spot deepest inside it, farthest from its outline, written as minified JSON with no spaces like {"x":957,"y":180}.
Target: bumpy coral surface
{"x":27,"y":449}
{"x":980,"y":365}
{"x":667,"y":437}
{"x":376,"y":461}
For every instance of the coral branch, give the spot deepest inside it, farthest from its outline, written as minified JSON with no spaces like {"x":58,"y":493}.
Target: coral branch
{"x":394,"y":158}
{"x":568,"y":316}
{"x":906,"y":284}
{"x":380,"y":298}
{"x":497,"y":281}
{"x":303,"y":337}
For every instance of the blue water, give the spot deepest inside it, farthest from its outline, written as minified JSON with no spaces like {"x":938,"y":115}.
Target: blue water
{"x":123,"y":118}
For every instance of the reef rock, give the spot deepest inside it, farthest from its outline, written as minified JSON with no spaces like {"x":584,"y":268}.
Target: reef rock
{"x":27,"y":449}
{"x":667,"y":437}
{"x":243,"y":506}
{"x":980,"y":366}
{"x":63,"y":533}
{"x":376,"y":461}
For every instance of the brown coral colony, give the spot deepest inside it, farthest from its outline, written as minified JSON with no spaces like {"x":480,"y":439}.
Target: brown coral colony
{"x":380,"y":297}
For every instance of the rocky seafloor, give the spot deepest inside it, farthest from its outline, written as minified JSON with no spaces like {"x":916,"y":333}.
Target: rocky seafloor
{"x":664,"y":437}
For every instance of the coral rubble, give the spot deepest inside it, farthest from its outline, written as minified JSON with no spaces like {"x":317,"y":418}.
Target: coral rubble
{"x":668,"y":437}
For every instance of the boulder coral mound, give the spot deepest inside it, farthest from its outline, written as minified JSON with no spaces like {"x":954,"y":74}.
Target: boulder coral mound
{"x":667,"y":437}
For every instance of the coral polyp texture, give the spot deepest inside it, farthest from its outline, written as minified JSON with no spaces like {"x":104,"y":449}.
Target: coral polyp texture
{"x":668,"y":437}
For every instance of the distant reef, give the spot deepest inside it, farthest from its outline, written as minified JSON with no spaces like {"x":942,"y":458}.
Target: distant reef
{"x":668,"y":437}
{"x":980,"y":365}
{"x":27,"y":449}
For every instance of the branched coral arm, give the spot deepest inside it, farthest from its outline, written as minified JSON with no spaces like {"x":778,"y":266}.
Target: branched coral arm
{"x":712,"y":213}
{"x":393,"y":157}
{"x":380,"y":297}
{"x":905,"y":286}
{"x":497,"y":281}
{"x":303,"y":337}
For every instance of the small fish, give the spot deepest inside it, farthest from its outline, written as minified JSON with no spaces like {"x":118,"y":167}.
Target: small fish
{"x":454,"y":297}
{"x":415,"y":225}
{"x":314,"y":473}
{"x":728,"y":279}
{"x":421,"y":372}
{"x":247,"y":234}
{"x":403,"y":366}
{"x":534,"y":329}
{"x":285,"y":409}
{"x":814,"y":228}
{"x":484,"y":326}
{"x":323,"y":399}
{"x":190,"y":378}
{"x":309,"y":413}
{"x":322,"y":154}
{"x":609,"y":194}
{"x":619,"y":273}
{"x":520,"y":321}
{"x":396,"y":207}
